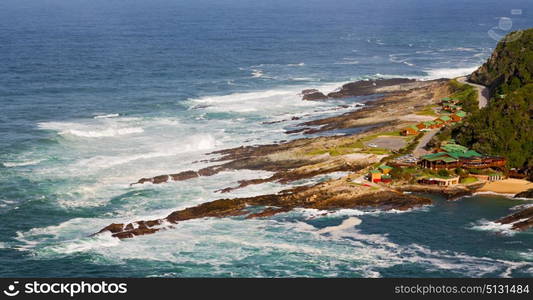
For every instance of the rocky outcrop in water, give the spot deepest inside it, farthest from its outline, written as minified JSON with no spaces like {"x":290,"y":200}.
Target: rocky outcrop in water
{"x":330,"y":195}
{"x":306,"y":158}
{"x":313,"y":95}
{"x":520,"y":221}
{"x":369,"y":87}
{"x":525,"y":194}
{"x":366,"y":88}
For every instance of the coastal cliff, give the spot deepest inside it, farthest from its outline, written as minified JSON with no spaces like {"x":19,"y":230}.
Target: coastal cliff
{"x":503,"y":127}
{"x":511,"y":65}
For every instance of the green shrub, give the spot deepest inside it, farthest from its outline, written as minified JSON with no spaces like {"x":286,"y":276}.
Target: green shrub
{"x":443,"y":173}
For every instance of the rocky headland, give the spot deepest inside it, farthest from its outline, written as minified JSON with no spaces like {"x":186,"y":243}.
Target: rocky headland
{"x":395,"y":103}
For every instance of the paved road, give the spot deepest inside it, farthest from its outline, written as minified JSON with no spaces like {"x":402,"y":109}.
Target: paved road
{"x":483,"y":92}
{"x":419,"y":150}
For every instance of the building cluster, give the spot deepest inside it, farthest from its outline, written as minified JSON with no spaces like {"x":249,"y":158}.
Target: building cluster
{"x":452,"y":156}
{"x":449,"y":156}
{"x":453,"y":114}
{"x":380,"y":174}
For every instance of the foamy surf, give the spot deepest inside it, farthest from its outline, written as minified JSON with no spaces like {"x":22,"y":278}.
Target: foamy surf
{"x":13,"y":164}
{"x":346,"y":224}
{"x":448,"y":72}
{"x":98,"y":130}
{"x":107,"y":116}
{"x":485,"y":225}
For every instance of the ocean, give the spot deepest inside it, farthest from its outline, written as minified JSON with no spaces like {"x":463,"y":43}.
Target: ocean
{"x":97,"y":94}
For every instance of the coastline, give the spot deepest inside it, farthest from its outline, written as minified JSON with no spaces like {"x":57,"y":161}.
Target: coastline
{"x":507,"y":186}
{"x":308,"y":157}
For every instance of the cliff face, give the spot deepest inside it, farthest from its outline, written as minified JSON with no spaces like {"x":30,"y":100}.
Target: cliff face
{"x":504,"y":126}
{"x":511,"y":65}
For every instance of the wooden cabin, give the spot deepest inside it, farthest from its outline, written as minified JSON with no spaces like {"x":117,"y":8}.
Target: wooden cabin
{"x":411,"y":130}
{"x":385,"y":169}
{"x":458,"y":116}
{"x":375,"y":176}
{"x":444,"y":119}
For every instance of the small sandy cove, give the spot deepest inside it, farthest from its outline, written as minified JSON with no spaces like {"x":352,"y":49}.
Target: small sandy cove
{"x":507,"y":186}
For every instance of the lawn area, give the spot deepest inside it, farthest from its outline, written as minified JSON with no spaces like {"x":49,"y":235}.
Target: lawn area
{"x":428,"y":111}
{"x":468,"y":180}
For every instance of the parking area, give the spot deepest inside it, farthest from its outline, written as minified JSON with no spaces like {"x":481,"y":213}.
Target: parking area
{"x":387,"y":142}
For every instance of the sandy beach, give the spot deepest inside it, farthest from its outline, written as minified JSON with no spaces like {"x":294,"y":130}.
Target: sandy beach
{"x":507,"y":186}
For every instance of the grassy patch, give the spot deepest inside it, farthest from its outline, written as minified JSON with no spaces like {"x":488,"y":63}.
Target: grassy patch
{"x":468,"y":180}
{"x":358,"y":146}
{"x":467,"y":95}
{"x":338,"y":150}
{"x":427,"y":111}
{"x":377,"y":151}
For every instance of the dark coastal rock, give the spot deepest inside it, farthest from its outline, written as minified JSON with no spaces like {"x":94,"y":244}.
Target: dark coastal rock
{"x":130,"y":230}
{"x":449,"y":192}
{"x":268,"y":212}
{"x":161,"y":179}
{"x":520,"y":221}
{"x":183,"y":175}
{"x":329,"y":195}
{"x":367,"y":87}
{"x":525,"y":194}
{"x":313,"y":95}
{"x":186,"y":175}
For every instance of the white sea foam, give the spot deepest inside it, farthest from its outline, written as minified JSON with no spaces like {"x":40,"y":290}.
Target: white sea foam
{"x":22,"y":163}
{"x":353,"y":62}
{"x":346,"y":224}
{"x":302,"y":79}
{"x":496,"y":194}
{"x":449,"y":72}
{"x":310,"y":213}
{"x":110,"y":132}
{"x":256,"y":73}
{"x":266,"y":103}
{"x":485,"y":225}
{"x":522,"y":206}
{"x":218,"y":242}
{"x":89,"y":130}
{"x":106,"y":116}
{"x":200,"y":142}
{"x":297,"y":65}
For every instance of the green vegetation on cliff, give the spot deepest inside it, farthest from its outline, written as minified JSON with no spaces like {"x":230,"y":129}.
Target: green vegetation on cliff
{"x":504,"y":127}
{"x":511,"y":65}
{"x":467,"y":95}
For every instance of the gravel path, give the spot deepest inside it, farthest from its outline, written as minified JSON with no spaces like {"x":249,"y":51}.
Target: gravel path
{"x":483,"y":92}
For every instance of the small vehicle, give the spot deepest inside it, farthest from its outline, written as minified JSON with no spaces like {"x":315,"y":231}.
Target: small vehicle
{"x":372,"y":145}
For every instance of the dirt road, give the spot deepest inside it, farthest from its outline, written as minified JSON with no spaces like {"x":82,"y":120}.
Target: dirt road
{"x":483,"y":92}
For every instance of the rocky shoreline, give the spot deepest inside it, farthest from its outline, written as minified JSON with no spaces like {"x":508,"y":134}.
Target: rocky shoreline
{"x":396,"y":105}
{"x":330,"y":195}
